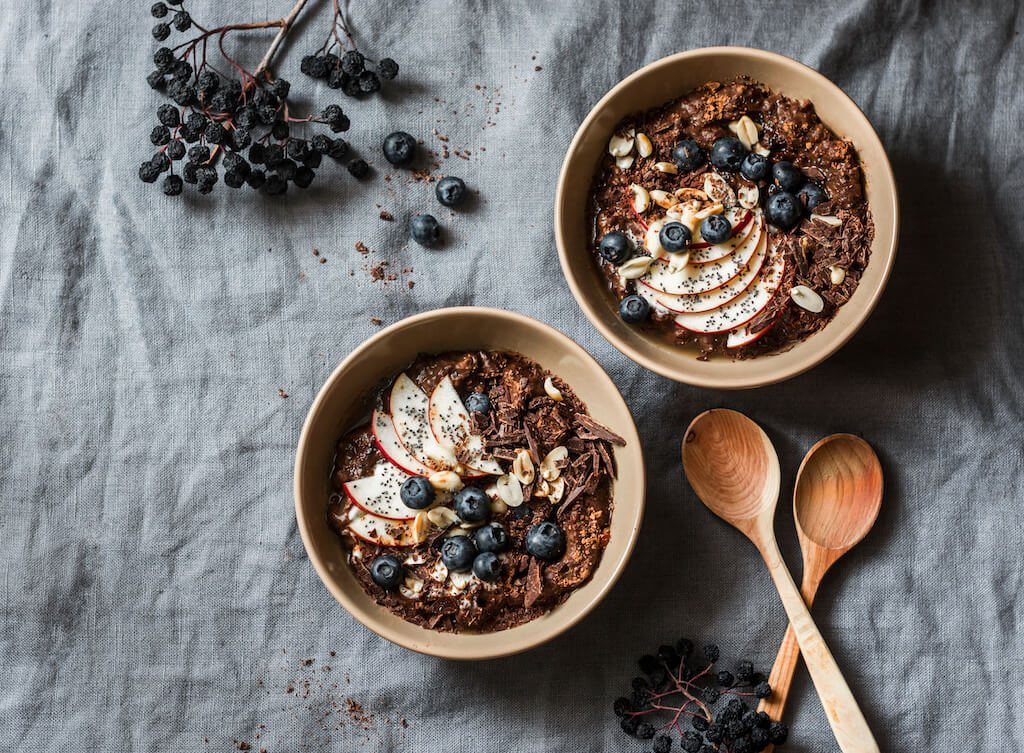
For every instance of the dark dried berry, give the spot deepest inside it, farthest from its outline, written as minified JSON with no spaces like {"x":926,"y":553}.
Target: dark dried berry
{"x":662,"y":744}
{"x":161,"y":161}
{"x":725,"y":679}
{"x":645,"y":731}
{"x":199,"y":153}
{"x":215,"y":133}
{"x":160,"y":135}
{"x":256,"y":178}
{"x":684,"y":647}
{"x":762,"y":690}
{"x":744,"y":671}
{"x":156,"y":80}
{"x":208,"y":83}
{"x":161,"y":31}
{"x":358,"y":168}
{"x":234,"y":179}
{"x":711,"y":652}
{"x":164,"y":59}
{"x":172,"y":185}
{"x":175,"y":150}
{"x":387,"y":69}
{"x":182,"y":20}
{"x":777,"y":733}
{"x":368,"y":82}
{"x":353,"y":63}
{"x":280,"y":88}
{"x":337,"y":78}
{"x":280,"y":130}
{"x":273,"y":155}
{"x":629,"y":725}
{"x":158,"y":10}
{"x":691,"y":742}
{"x":622,"y":706}
{"x":148,"y":173}
{"x":188,"y":172}
{"x":700,"y":723}
{"x":303,"y":177}
{"x":257,"y":153}
{"x":240,"y":138}
{"x":168,"y":115}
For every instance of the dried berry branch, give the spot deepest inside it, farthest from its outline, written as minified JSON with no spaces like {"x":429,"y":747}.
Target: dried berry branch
{"x":224,"y":115}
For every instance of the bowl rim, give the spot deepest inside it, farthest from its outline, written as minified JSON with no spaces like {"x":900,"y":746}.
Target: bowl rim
{"x":361,"y":611}
{"x":590,"y":307}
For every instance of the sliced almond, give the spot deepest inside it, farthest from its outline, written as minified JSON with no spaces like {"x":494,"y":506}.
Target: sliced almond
{"x":837,"y":274}
{"x":624,"y":163}
{"x":552,"y":391}
{"x":828,"y":219}
{"x":762,"y":149}
{"x":620,"y":146}
{"x":442,"y":517}
{"x":652,"y":238}
{"x":522,"y":467}
{"x":633,"y":269}
{"x":745,"y":130}
{"x":556,"y":489}
{"x":498,"y":506}
{"x":438,"y":572}
{"x":445,"y":481}
{"x":748,"y":196}
{"x":411,"y":588}
{"x":718,"y":189}
{"x":666,"y":167}
{"x":678,"y":262}
{"x":807,"y":299}
{"x":509,"y":490}
{"x":641,"y":198}
{"x":421,"y":526}
{"x":459,"y":581}
{"x":709,"y":210}
{"x":541,"y":489}
{"x":663,"y":199}
{"x":644,"y":147}
{"x":549,"y":465}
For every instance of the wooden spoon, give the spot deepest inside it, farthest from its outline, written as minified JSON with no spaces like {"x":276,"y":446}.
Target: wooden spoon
{"x":836,"y":501}
{"x":732,"y":465}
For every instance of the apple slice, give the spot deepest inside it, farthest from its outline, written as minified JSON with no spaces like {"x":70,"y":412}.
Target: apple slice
{"x":700,"y":278}
{"x":452,"y":428}
{"x":386,"y":438}
{"x":741,"y":309}
{"x":695,"y":304}
{"x":382,"y":531}
{"x":739,"y":337}
{"x":409,"y":405}
{"x":745,"y":223}
{"x":380,"y":494}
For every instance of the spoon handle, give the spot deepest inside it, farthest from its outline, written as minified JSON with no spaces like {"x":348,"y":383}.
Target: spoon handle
{"x":841,"y":709}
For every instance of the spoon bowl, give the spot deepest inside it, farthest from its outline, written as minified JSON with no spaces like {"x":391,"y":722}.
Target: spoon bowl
{"x":838,"y":492}
{"x":732,"y":465}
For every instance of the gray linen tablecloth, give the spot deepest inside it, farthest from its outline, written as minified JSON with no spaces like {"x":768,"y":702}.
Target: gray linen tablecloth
{"x":153,"y":586}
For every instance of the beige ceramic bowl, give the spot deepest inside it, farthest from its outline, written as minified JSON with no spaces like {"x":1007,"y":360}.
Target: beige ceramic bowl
{"x":657,"y":84}
{"x":345,"y":400}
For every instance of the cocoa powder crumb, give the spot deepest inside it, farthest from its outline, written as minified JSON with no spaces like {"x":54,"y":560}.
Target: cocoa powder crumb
{"x":386,"y":216}
{"x":376,"y":321}
{"x":282,"y":393}
{"x":362,"y":248}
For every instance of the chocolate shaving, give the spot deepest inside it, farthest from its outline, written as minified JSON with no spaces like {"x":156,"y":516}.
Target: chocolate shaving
{"x":599,"y":430}
{"x":607,"y":458}
{"x":573,"y":496}
{"x":534,"y":584}
{"x":531,"y":442}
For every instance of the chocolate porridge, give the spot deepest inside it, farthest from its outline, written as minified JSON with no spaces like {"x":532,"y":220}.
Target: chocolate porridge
{"x":478,"y":496}
{"x":731,"y":220}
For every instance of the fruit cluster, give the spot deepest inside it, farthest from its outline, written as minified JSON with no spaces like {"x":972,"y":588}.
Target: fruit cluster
{"x":241,"y":127}
{"x":789,"y":197}
{"x":346,"y":69}
{"x":680,"y":685}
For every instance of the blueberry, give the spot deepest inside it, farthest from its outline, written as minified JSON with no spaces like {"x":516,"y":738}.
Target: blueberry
{"x":787,"y":176}
{"x":472,"y":505}
{"x":450,"y":191}
{"x":386,"y":571}
{"x":417,"y":493}
{"x":634,"y":309}
{"x":425,"y":230}
{"x":487,"y":566}
{"x":728,"y":154}
{"x":688,"y":155}
{"x":810,"y":196}
{"x":616,"y":247}
{"x":782,"y":210}
{"x":478,"y":402}
{"x":399,"y":148}
{"x":716,"y":229}
{"x":458,"y":553}
{"x":755,"y":167}
{"x":674,"y":237}
{"x":491,"y":538}
{"x":546,"y":540}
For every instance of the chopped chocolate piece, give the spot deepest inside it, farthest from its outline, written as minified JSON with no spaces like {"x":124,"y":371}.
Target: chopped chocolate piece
{"x":599,"y":430}
{"x":534,"y":584}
